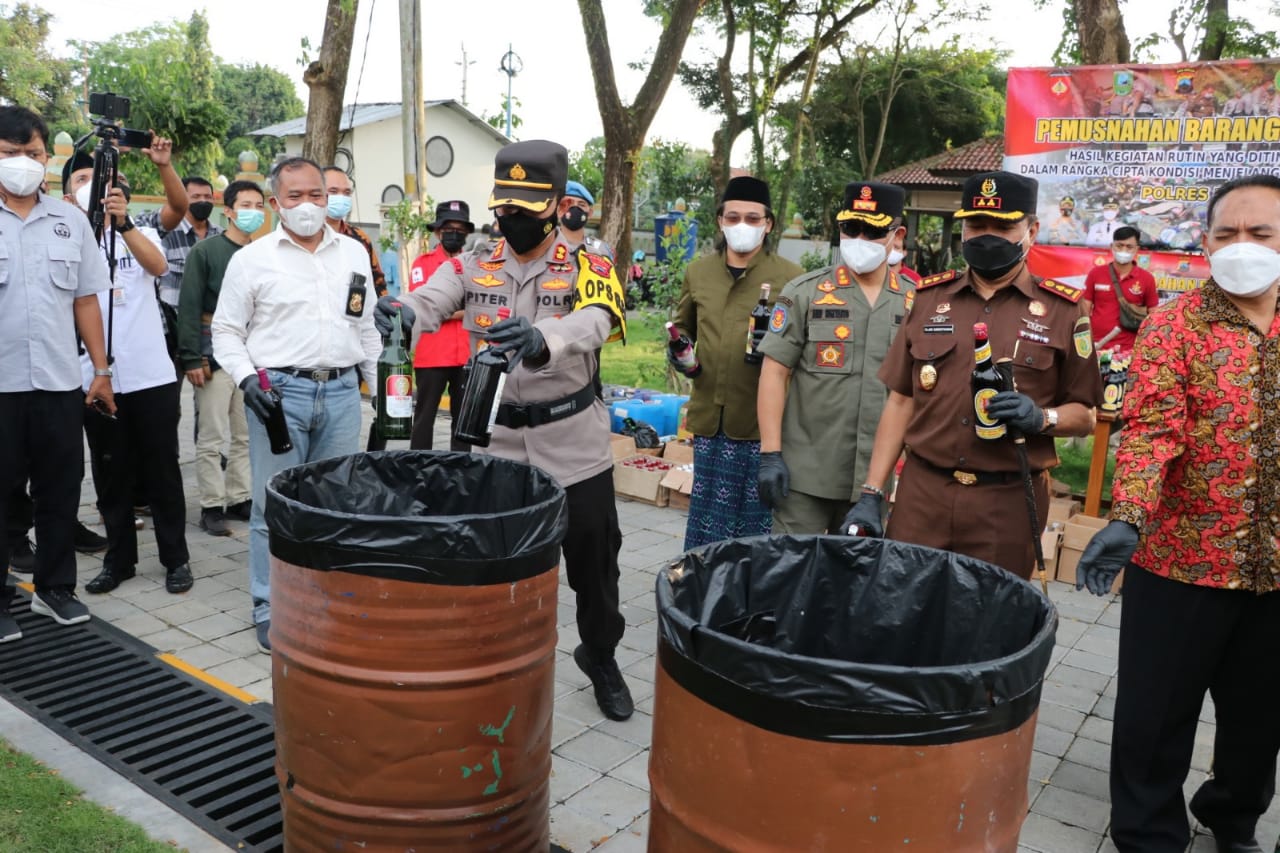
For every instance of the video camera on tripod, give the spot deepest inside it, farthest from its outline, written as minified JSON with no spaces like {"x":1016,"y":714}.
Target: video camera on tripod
{"x":110,"y":109}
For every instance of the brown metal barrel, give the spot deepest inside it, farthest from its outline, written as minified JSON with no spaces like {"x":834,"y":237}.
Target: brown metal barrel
{"x":836,"y":694}
{"x":413,"y":646}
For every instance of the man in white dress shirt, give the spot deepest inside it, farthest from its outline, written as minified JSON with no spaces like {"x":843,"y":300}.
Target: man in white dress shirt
{"x":296,"y":304}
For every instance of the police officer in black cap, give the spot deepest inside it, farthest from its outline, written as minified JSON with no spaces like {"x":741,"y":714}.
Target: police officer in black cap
{"x":956,"y":482}
{"x":564,"y":305}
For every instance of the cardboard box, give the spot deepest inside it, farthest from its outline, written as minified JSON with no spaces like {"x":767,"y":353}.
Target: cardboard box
{"x":623,"y":446}
{"x":1075,"y":536}
{"x":1050,"y":542}
{"x":678,"y":453}
{"x":1061,"y":510}
{"x":679,"y":485}
{"x":641,"y":482}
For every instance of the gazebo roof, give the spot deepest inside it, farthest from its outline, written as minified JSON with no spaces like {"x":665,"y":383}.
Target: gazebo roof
{"x":948,"y":169}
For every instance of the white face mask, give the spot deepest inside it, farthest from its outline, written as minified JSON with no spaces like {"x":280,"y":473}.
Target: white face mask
{"x":895,"y":257}
{"x":743,"y":238}
{"x":82,"y":196}
{"x":1123,"y":257}
{"x":1245,"y":269}
{"x":862,"y":256}
{"x":21,"y":176}
{"x":1109,"y":214}
{"x":305,"y":220}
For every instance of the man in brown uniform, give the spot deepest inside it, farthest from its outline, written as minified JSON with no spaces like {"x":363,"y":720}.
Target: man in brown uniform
{"x":960,"y":492}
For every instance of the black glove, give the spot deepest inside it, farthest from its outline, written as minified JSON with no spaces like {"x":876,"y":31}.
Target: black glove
{"x":866,"y":515}
{"x":519,"y":337}
{"x":1016,"y":410}
{"x":259,"y":402}
{"x":1106,"y":554}
{"x":774,"y":479}
{"x":384,"y":314}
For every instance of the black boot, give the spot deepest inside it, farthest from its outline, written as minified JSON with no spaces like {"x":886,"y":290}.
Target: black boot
{"x":612,"y":694}
{"x":108,"y":579}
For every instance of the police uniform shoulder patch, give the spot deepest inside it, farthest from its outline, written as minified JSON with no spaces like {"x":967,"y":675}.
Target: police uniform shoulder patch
{"x":497,"y":250}
{"x":600,"y":264}
{"x":938,"y":278}
{"x":457,"y":265}
{"x":894,"y":287}
{"x":778,"y":319}
{"x":561,"y":253}
{"x":1082,"y":336}
{"x":598,"y":285}
{"x":491,"y":266}
{"x":1069,"y":292}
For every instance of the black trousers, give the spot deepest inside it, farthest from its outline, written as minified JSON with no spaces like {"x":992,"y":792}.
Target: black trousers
{"x":20,"y":515}
{"x":431,"y":382}
{"x":140,"y":445}
{"x":591,"y":560}
{"x":1176,"y":642}
{"x":40,"y":438}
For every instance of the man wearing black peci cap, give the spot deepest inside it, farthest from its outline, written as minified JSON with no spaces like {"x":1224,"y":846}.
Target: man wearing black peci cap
{"x":439,"y":358}
{"x":564,"y":305}
{"x":819,"y":399}
{"x":958,"y":491}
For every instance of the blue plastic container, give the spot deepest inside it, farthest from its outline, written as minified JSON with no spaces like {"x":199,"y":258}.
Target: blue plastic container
{"x":652,"y":412}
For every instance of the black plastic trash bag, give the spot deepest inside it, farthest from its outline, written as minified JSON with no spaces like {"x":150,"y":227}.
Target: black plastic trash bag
{"x":855,"y":639}
{"x":416,"y":515}
{"x":645,"y":435}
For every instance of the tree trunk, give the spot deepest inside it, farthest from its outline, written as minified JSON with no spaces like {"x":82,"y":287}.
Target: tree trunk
{"x":326,"y":77}
{"x":625,"y":127}
{"x":1102,"y":37}
{"x":1216,"y":18}
{"x":797,"y":134}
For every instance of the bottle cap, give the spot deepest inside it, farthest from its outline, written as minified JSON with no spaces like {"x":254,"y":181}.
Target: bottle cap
{"x":980,"y":330}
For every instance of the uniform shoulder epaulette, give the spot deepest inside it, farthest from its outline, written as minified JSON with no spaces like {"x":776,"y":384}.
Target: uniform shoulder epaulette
{"x":1069,"y":292}
{"x":938,"y":278}
{"x":457,"y":265}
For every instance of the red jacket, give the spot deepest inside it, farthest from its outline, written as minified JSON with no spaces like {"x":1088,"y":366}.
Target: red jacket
{"x":451,"y":346}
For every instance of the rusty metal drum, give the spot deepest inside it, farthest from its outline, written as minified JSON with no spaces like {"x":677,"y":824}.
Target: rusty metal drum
{"x":842,"y":694}
{"x":413,"y":631}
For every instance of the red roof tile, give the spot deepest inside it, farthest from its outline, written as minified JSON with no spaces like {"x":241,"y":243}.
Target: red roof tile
{"x":949,"y":168}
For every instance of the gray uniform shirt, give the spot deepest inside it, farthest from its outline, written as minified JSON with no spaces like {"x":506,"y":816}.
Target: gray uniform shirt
{"x":577,"y":447}
{"x":47,"y":261}
{"x":833,"y":340}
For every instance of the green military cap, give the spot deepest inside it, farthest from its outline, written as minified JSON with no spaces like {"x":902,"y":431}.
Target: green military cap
{"x":872,"y":202}
{"x":1003,"y":195}
{"x":529,"y":175}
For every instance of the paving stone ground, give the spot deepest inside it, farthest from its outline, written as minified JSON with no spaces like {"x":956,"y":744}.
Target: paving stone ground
{"x":599,"y":783}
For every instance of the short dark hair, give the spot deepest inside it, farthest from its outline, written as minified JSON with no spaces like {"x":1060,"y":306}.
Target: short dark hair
{"x":1261,"y":179}
{"x":1126,"y":232}
{"x":233,"y":190}
{"x":196,"y":179}
{"x":288,"y":164}
{"x":19,"y":124}
{"x":327,"y":169}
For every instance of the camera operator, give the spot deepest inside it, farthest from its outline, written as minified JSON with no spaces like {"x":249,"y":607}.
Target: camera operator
{"x":140,"y":443}
{"x":50,"y":273}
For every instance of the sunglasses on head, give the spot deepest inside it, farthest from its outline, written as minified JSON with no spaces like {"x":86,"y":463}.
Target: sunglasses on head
{"x":855,"y":228}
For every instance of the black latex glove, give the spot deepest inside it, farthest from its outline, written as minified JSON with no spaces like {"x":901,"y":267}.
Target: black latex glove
{"x":384,"y":314}
{"x":519,"y":337}
{"x":1106,"y":554}
{"x":258,"y":401}
{"x":1016,"y":410}
{"x":774,"y":479}
{"x":866,"y":515}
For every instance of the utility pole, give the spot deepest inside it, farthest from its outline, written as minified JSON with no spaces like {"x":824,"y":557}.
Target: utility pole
{"x":510,"y":66}
{"x":464,"y":63}
{"x":412,"y":111}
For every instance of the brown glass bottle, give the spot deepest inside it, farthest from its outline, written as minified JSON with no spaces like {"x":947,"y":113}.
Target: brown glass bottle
{"x":759,"y":322}
{"x":682,"y":352}
{"x":986,"y":383}
{"x":277,"y":427}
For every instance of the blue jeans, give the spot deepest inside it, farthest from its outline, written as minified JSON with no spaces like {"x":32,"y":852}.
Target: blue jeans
{"x":324,"y":421}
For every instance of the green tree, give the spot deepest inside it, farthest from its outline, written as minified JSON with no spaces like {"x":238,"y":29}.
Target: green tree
{"x":256,"y":96}
{"x":587,"y":166}
{"x":30,"y":76}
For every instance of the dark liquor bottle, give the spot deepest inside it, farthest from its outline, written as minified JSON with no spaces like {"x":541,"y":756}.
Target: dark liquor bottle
{"x":482,"y":394}
{"x":277,"y":428}
{"x":682,"y":352}
{"x":395,"y":387}
{"x":756,"y":326}
{"x":986,"y":382}
{"x":1115,"y":375}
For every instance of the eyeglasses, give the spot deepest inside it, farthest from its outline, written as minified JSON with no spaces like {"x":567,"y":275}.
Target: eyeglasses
{"x":854,"y":228}
{"x":750,"y":218}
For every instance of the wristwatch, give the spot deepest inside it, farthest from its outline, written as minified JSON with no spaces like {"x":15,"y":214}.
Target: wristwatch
{"x":102,"y":371}
{"x":1050,"y":420}
{"x":126,"y":227}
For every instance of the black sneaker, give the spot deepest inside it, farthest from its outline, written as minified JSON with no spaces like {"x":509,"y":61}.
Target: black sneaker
{"x":61,"y":604}
{"x":22,"y":557}
{"x":263,"y":630}
{"x":179,"y":579}
{"x":612,"y":694}
{"x":214,"y":522}
{"x":240,"y":510}
{"x":86,"y":541}
{"x":109,"y":579}
{"x":9,"y":630}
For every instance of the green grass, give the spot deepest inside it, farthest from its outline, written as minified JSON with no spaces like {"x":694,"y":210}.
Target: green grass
{"x":1074,"y":470}
{"x":642,"y":363}
{"x":40,"y":812}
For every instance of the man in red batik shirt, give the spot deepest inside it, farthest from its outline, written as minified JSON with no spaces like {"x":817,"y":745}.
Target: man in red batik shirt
{"x":1196,"y":520}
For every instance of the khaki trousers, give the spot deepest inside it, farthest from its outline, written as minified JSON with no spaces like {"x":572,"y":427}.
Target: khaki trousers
{"x":222,"y":424}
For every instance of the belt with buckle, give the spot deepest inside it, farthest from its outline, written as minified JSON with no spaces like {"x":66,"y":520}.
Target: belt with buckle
{"x":315,"y":374}
{"x":973,"y":478}
{"x":536,"y":414}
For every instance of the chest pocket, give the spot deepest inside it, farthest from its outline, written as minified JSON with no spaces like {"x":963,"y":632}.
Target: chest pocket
{"x":484,"y":295}
{"x":554,"y":295}
{"x":939,"y":351}
{"x":1033,"y":371}
{"x":829,"y":349}
{"x":64,"y":267}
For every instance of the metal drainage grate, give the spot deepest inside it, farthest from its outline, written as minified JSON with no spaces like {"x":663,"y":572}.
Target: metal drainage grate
{"x":208,"y":756}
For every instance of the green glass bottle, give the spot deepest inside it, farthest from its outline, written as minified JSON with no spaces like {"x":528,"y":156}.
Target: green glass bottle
{"x":394,"y":419}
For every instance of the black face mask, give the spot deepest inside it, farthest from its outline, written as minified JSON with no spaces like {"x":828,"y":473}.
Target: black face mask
{"x":990,"y":256}
{"x":575,"y":219}
{"x":523,"y":232}
{"x":452,"y":241}
{"x":200,"y":210}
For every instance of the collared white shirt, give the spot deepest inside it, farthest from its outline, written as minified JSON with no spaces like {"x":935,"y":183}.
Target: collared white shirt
{"x":132,"y":318}
{"x":283,"y":306}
